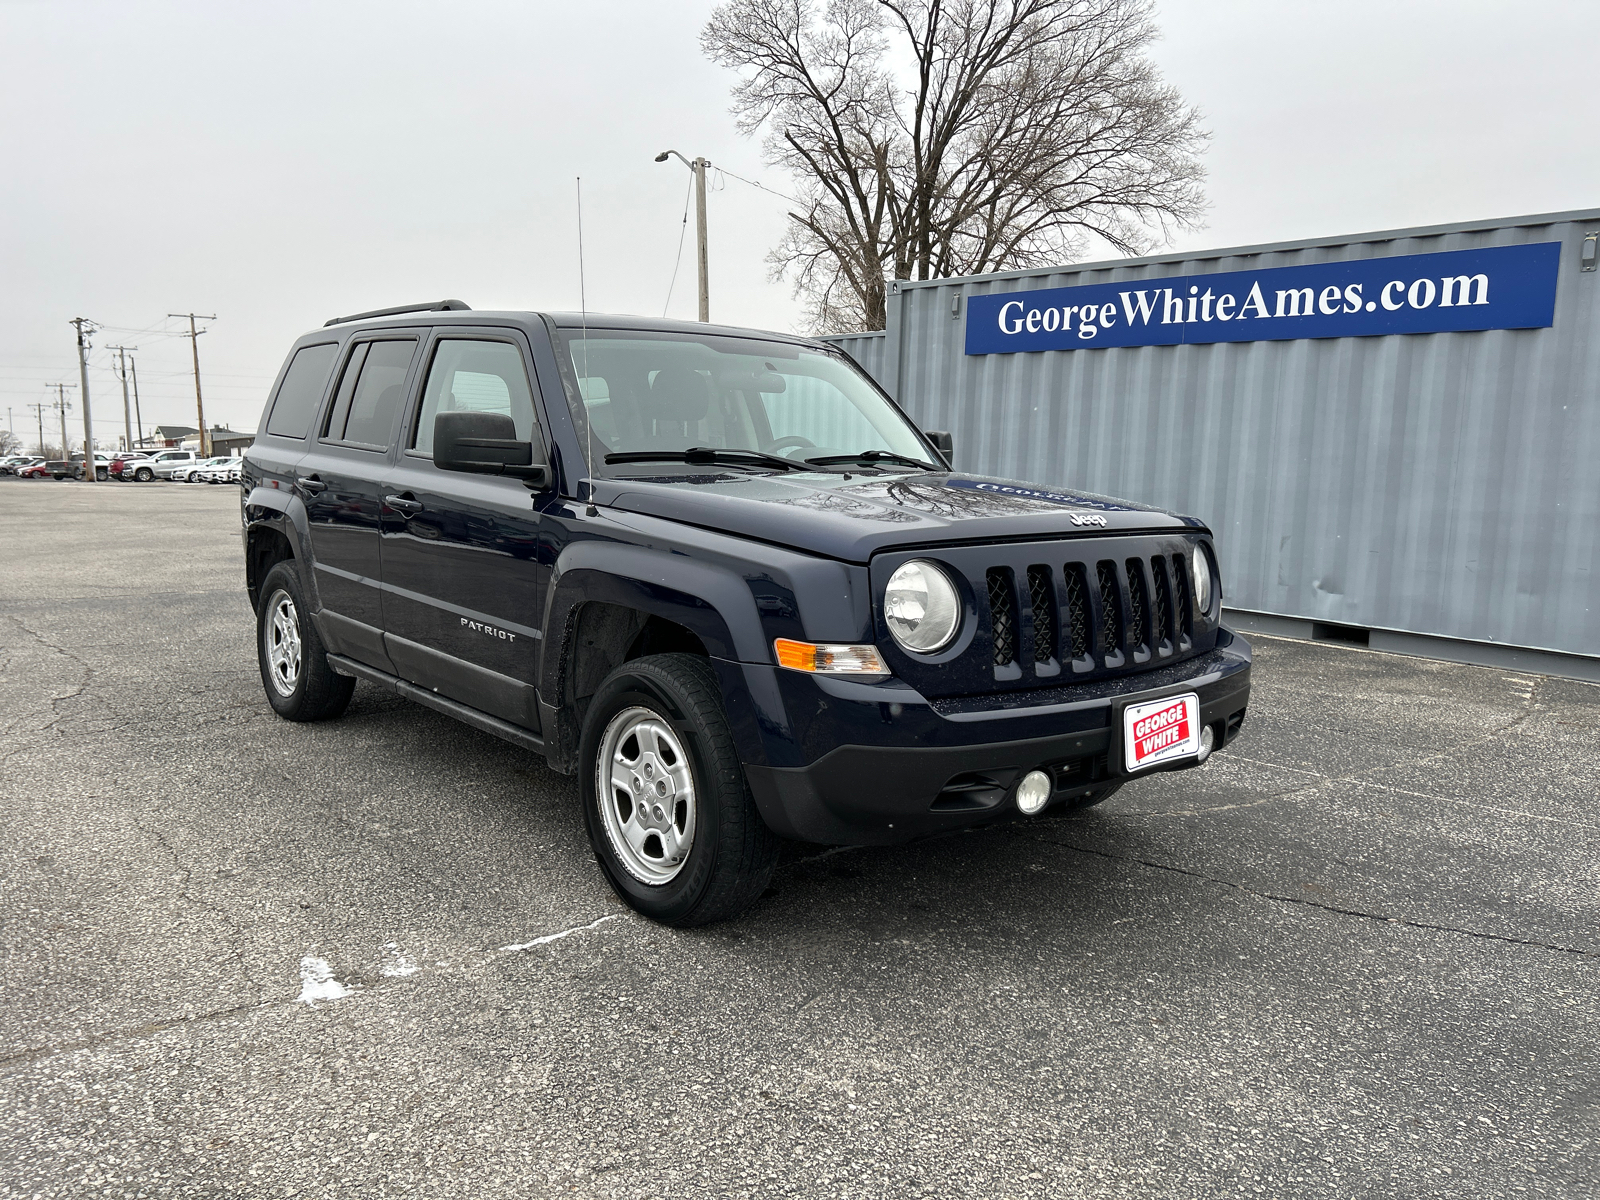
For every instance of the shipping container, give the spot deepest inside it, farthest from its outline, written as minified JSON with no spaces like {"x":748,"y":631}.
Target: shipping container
{"x":1395,"y":436}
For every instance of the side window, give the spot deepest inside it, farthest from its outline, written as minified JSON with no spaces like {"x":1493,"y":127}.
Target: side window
{"x":474,"y":376}
{"x":371,"y":393}
{"x":301,"y":390}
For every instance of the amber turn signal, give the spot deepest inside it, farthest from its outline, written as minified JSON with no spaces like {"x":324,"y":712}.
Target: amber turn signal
{"x":829,"y":660}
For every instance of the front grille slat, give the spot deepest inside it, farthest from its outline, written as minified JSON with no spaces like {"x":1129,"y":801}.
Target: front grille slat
{"x":1042,"y":599}
{"x":1003,"y":616}
{"x":1138,"y":607}
{"x":1110,"y":609}
{"x":1180,"y":580}
{"x":1163,"y":634}
{"x":1076,"y":627}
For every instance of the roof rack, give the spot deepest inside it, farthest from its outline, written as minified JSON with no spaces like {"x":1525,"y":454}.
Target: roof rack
{"x":435,"y":306}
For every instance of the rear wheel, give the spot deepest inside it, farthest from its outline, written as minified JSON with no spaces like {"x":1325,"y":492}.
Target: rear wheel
{"x":300,"y":684}
{"x":668,"y":812}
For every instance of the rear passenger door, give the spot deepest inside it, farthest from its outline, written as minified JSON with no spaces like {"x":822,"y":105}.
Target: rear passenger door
{"x":462,"y":575}
{"x":338,"y":479}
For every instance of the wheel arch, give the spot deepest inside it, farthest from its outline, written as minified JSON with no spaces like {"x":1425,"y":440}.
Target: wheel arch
{"x":609,"y":604}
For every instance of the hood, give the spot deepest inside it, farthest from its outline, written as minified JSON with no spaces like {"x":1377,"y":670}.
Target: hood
{"x":852,"y":519}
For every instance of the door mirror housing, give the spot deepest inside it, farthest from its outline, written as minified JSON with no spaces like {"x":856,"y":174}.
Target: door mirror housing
{"x":485,"y":443}
{"x":944,"y":444}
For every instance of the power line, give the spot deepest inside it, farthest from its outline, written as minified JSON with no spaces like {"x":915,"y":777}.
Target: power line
{"x":682,"y":233}
{"x":761,"y":186}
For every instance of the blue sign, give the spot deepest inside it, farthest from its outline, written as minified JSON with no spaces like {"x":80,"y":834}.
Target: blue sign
{"x":1498,"y":287}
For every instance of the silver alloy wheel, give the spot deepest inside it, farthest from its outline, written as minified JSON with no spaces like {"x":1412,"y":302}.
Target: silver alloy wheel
{"x":282,"y":636}
{"x":645,"y":789}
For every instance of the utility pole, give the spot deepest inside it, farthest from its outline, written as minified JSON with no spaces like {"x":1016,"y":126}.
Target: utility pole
{"x":61,"y":409}
{"x":199,"y":404}
{"x":698,"y":167}
{"x":138,"y":417}
{"x":39,"y":412}
{"x":122,"y":370}
{"x":85,"y":328}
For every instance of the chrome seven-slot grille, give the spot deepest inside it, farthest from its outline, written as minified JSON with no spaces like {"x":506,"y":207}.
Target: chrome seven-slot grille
{"x":1144,"y":614}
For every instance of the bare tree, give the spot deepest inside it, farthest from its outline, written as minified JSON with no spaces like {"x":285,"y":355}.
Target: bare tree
{"x":954,"y":137}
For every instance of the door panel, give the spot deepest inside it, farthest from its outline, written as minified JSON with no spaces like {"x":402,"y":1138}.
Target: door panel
{"x":464,"y":568}
{"x":338,"y":479}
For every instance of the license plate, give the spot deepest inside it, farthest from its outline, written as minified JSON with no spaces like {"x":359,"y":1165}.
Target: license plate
{"x":1160,"y":731}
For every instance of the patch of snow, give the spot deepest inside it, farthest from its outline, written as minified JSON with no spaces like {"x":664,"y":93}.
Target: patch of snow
{"x":556,"y":937}
{"x":317,"y":981}
{"x":397,"y":965}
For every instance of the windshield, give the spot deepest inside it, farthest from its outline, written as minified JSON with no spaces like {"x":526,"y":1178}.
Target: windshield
{"x":670,"y":392}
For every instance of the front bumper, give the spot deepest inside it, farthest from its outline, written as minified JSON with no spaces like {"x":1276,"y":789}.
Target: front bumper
{"x":886,"y":765}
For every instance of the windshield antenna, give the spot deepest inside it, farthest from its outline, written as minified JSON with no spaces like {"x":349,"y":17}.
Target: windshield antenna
{"x":583,"y":316}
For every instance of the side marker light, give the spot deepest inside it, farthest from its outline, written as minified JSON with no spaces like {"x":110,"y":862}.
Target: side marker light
{"x":830,"y":659}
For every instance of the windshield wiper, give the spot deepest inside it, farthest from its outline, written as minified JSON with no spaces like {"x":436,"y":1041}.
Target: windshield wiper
{"x":871,"y":457}
{"x":706,"y":455}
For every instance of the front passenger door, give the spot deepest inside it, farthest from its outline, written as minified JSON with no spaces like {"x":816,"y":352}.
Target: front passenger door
{"x":463,"y":580}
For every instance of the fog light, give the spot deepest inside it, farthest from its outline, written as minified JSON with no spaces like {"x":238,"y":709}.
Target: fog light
{"x":1207,"y":741}
{"x":1033,"y":793}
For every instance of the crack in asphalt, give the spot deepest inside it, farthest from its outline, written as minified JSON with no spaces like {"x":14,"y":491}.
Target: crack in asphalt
{"x":55,"y":701}
{"x":1303,"y":901}
{"x":368,"y":983}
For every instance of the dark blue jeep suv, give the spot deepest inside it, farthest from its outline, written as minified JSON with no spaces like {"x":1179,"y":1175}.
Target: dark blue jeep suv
{"x":720,"y":576}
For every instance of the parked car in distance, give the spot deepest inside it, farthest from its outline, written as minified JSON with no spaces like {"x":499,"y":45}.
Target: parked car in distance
{"x":18,"y":463}
{"x":172,"y":464}
{"x":122,"y":464}
{"x":102,"y":466}
{"x":145,"y":469}
{"x":190,"y":472}
{"x":218,"y":470}
{"x":37,"y":469}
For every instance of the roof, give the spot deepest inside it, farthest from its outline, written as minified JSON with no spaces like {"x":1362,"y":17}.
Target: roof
{"x":562,"y":320}
{"x":171,"y":431}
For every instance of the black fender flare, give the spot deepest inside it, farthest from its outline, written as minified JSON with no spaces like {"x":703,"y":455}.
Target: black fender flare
{"x":713,"y":602}
{"x":284,"y":513}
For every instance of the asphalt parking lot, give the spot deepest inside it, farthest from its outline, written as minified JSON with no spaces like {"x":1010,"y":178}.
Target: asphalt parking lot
{"x":1355,"y":955}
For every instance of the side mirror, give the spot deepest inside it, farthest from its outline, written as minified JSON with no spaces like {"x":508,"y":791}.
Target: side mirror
{"x":486,"y":444}
{"x":943,"y":443}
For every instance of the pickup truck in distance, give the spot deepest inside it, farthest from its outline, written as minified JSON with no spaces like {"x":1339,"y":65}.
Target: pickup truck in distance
{"x":722,"y":578}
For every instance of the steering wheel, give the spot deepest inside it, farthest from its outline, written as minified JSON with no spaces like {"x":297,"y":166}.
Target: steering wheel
{"x":784,"y":443}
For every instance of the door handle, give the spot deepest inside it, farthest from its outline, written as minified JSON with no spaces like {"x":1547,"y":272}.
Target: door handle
{"x":407,"y":504}
{"x":310,"y":484}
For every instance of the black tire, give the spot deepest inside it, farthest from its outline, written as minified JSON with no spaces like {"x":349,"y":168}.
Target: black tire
{"x":101,"y":474}
{"x":144,"y":475}
{"x":316,"y":692}
{"x":732,"y":853}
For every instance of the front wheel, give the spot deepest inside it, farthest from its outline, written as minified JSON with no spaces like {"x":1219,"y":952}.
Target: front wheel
{"x":300,"y":684}
{"x":668,"y":812}
{"x":144,"y":475}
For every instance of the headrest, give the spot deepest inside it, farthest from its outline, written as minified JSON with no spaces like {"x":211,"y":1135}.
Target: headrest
{"x":679,"y":394}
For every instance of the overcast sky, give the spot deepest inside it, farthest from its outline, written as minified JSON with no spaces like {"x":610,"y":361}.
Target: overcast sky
{"x":278,"y":164}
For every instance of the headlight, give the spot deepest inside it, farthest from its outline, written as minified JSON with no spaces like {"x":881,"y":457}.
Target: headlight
{"x":1202,"y":581}
{"x":921,"y":607}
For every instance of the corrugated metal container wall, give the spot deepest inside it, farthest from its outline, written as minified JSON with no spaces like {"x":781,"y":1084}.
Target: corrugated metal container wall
{"x":1444,"y":484}
{"x":868,"y":349}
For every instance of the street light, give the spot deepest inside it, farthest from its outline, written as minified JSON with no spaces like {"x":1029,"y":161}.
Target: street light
{"x":698,"y":166}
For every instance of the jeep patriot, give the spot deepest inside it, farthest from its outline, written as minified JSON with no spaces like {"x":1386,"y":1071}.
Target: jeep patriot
{"x":722,"y":578}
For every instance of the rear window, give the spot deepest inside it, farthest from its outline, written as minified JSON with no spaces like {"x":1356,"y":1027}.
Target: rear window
{"x":302,"y":389}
